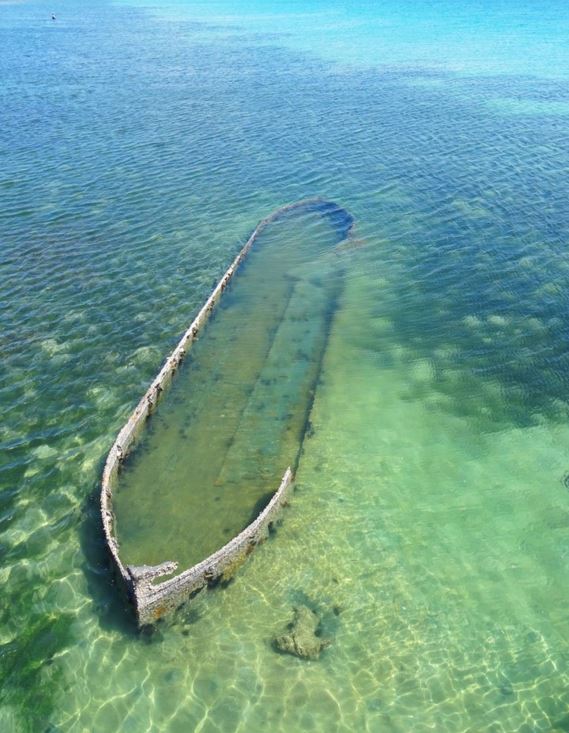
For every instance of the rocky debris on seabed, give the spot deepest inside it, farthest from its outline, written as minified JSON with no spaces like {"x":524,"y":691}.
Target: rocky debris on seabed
{"x":303,"y":635}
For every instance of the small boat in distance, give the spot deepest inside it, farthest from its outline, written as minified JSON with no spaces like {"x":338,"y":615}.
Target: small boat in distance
{"x":185,"y":502}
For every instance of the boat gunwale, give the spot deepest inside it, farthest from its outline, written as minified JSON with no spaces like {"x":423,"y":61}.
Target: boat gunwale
{"x":138,"y":581}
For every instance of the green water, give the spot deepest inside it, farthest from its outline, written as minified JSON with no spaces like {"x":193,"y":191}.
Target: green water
{"x":424,"y":543}
{"x":235,"y":419}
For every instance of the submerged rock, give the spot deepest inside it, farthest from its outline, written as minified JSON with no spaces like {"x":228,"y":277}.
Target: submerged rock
{"x":302,"y":638}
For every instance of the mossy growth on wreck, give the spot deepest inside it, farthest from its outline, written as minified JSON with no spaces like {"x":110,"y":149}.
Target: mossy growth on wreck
{"x":303,"y":636}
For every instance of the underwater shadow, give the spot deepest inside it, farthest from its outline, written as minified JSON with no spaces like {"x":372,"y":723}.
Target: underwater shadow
{"x":111,"y":605}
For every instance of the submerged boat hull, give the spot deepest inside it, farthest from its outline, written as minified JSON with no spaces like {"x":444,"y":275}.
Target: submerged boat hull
{"x":152,"y":597}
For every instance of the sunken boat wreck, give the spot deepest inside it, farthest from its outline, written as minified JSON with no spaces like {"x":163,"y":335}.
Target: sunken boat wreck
{"x":199,"y":473}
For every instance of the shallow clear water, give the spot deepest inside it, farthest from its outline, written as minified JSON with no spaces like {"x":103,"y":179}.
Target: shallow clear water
{"x":235,"y":419}
{"x":430,"y":526}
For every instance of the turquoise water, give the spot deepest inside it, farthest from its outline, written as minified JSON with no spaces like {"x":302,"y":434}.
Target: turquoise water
{"x":139,"y":146}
